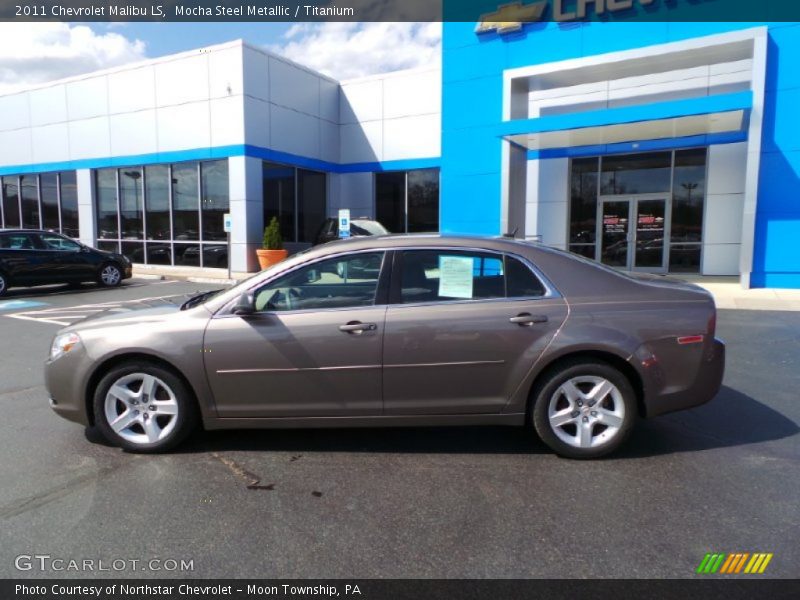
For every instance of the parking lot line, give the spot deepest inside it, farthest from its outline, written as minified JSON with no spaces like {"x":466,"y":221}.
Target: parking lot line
{"x":68,"y":315}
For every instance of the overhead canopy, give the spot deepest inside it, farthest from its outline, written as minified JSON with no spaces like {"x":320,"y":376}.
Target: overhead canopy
{"x":719,"y":114}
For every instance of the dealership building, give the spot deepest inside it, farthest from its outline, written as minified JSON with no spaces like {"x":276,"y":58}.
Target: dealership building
{"x":664,"y":147}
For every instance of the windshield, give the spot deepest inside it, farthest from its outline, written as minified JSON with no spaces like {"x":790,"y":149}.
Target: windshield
{"x":200,"y":298}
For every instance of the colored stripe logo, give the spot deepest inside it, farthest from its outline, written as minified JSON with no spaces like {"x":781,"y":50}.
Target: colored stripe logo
{"x":734,"y":564}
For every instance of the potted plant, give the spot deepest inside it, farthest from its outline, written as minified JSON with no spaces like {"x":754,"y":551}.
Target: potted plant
{"x":272,"y":251}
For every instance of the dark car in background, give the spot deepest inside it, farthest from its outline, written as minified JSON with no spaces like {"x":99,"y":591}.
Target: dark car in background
{"x":435,"y":330}
{"x":361,"y":227}
{"x":31,"y":257}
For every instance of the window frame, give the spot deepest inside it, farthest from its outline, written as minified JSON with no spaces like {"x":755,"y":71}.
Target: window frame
{"x":404,"y":173}
{"x":381,"y":291}
{"x":395,"y":295}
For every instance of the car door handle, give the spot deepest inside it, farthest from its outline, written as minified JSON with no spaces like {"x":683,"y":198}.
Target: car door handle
{"x":357,"y":327}
{"x":527,"y":319}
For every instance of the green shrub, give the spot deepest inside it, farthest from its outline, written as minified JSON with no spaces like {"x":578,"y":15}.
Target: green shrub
{"x":272,"y":236}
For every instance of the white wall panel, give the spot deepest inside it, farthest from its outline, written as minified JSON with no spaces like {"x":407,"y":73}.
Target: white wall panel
{"x":50,"y":143}
{"x":225,"y":72}
{"x":294,"y":132}
{"x":256,"y":122}
{"x":412,"y":137}
{"x":134,"y":133}
{"x":552,"y":225}
{"x":183,"y":127}
{"x":293,"y":87}
{"x":328,"y":100}
{"x":727,"y":168}
{"x":721,"y":259}
{"x":14,"y":111}
{"x":227,"y":121}
{"x":87,"y":98}
{"x":361,"y":101}
{"x":48,"y":105}
{"x":414,"y":93}
{"x":15,"y":147}
{"x":256,"y":73}
{"x":362,"y":142}
{"x":182,"y":80}
{"x":329,"y":141}
{"x":355,"y":193}
{"x":554,"y":180}
{"x":89,"y":138}
{"x":132,"y":90}
{"x":723,"y":219}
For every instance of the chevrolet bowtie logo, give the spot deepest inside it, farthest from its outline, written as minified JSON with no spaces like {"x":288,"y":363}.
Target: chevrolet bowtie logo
{"x":510,"y":17}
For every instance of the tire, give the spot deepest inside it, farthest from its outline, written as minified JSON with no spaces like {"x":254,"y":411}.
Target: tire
{"x":156,"y":423}
{"x":3,"y":284}
{"x":566,"y":395}
{"x":110,"y":275}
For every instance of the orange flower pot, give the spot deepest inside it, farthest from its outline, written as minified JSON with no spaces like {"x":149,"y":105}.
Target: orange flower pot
{"x":267,"y":258}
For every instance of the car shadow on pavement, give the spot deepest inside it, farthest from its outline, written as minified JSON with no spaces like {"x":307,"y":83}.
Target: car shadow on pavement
{"x":729,"y":420}
{"x":41,"y":292}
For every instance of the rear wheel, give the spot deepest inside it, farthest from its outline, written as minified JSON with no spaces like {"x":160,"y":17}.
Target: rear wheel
{"x":3,"y":284}
{"x":110,"y":275}
{"x":143,"y":407}
{"x":584,"y":409}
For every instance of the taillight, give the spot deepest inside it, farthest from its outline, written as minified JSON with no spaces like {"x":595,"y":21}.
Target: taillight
{"x":712,"y":324}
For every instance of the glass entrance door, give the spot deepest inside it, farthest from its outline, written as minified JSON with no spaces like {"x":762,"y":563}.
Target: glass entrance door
{"x":632,"y":233}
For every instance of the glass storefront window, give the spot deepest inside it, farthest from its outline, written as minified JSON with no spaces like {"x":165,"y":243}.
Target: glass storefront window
{"x":29,"y":193}
{"x":583,"y":206}
{"x":68,"y":192}
{"x":10,"y":202}
{"x":131,"y":200}
{"x":408,"y":201}
{"x":106,"y":190}
{"x":311,"y":204}
{"x":48,"y":187}
{"x":279,"y":201}
{"x":688,"y":193}
{"x":161,"y":208}
{"x":156,"y":192}
{"x":636,"y":173}
{"x":215,"y":200}
{"x":185,"y":202}
{"x":423,"y":201}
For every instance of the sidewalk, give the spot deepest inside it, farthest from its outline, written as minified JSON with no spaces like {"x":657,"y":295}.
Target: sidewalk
{"x":727,"y":292}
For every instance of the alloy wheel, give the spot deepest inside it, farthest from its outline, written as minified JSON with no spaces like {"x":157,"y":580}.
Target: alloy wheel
{"x":141,"y":408}
{"x":110,"y":275}
{"x":586,"y":411}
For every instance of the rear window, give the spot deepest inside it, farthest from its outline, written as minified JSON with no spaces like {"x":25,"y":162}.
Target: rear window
{"x":16,"y":241}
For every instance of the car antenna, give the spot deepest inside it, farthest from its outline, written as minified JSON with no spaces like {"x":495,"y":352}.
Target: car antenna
{"x":513,"y":234}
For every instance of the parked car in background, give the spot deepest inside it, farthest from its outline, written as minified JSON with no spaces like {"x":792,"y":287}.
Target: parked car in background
{"x":31,"y":257}
{"x":437,"y":330}
{"x":329,"y":231}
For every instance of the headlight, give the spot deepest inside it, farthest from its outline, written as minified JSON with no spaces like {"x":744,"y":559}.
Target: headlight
{"x":63,"y":344}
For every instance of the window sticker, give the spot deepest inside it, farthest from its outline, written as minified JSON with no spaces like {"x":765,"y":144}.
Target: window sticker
{"x":455,"y":277}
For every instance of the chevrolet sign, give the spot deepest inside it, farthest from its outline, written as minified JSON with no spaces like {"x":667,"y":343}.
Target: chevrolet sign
{"x":511,"y":17}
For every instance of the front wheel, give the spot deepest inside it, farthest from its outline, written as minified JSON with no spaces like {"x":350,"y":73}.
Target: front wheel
{"x":143,"y":407}
{"x":584,"y":409}
{"x":110,"y":275}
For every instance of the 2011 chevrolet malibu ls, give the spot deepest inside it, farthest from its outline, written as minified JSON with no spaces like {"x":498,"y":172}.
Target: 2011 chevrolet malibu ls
{"x":399,"y":330}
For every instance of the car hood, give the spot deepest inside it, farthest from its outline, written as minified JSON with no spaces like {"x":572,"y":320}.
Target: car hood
{"x":144,"y":311}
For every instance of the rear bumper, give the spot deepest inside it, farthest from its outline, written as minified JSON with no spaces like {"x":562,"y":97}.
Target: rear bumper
{"x":707,"y":383}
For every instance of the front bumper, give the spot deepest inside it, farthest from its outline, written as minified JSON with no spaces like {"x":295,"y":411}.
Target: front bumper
{"x":65,"y":380}
{"x":704,"y":387}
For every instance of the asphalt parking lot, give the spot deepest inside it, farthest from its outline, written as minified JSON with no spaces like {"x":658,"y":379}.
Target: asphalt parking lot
{"x":416,"y":503}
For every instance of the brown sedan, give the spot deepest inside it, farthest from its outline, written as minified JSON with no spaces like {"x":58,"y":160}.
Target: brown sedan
{"x":390,"y":331}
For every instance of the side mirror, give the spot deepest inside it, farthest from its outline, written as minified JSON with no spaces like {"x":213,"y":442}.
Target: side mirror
{"x":245,"y":305}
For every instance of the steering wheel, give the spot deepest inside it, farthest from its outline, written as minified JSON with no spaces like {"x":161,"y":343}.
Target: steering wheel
{"x":292,"y":297}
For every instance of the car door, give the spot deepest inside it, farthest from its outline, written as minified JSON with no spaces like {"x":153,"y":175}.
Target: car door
{"x":312,"y":348}
{"x":463,"y":328}
{"x":23,"y":261}
{"x":69,"y":260}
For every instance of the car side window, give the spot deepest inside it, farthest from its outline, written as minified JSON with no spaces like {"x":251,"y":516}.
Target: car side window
{"x":342,"y":282}
{"x":16,"y":241}
{"x":521,"y":282}
{"x":445,"y":275}
{"x":56,"y":242}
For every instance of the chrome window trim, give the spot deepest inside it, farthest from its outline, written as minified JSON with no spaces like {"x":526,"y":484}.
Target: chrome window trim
{"x":550,"y":290}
